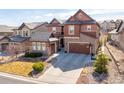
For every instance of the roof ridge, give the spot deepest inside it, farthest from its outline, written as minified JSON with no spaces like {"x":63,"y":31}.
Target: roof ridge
{"x":119,"y":26}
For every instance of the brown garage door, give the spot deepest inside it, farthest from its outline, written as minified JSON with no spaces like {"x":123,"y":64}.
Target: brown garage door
{"x":79,"y":48}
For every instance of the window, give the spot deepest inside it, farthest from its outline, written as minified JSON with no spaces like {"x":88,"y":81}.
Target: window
{"x":17,"y":32}
{"x":38,"y":46}
{"x":71,"y":30}
{"x":33,"y":45}
{"x":26,"y":33}
{"x":43,"y":46}
{"x":89,"y":28}
{"x":54,"y":29}
{"x":21,"y":33}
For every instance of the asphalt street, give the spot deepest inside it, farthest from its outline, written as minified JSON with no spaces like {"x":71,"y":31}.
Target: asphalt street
{"x":8,"y":80}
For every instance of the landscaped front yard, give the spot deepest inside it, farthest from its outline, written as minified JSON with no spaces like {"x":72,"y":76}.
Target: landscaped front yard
{"x":18,"y":68}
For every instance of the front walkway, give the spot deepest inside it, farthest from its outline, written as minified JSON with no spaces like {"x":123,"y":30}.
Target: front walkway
{"x":66,"y":68}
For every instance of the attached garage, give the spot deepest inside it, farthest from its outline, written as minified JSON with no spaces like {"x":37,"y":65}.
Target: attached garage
{"x":82,"y":47}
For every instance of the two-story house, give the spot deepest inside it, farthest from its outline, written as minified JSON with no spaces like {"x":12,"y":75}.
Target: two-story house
{"x":81,"y":34}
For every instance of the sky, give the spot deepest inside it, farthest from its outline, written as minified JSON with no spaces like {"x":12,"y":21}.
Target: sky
{"x":15,"y":17}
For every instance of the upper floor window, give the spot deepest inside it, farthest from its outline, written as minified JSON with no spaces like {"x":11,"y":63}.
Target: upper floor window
{"x":71,"y":30}
{"x":89,"y":28}
{"x":54,"y":29}
{"x":25,"y":33}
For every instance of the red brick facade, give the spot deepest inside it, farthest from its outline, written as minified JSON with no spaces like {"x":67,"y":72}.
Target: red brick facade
{"x":81,"y":21}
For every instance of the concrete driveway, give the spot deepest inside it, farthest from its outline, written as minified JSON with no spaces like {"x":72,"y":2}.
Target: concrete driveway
{"x":66,"y":68}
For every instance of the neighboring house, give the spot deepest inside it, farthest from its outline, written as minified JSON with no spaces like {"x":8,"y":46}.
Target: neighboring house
{"x":81,"y":34}
{"x":33,"y":37}
{"x":18,"y":44}
{"x":6,"y":30}
{"x":117,"y":36}
{"x":4,"y":43}
{"x":56,"y":27}
{"x":25,"y":30}
{"x":104,"y":26}
{"x":108,"y":25}
{"x":14,"y":44}
{"x":112,"y":25}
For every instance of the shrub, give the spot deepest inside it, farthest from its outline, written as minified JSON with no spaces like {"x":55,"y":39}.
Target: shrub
{"x":100,"y":64}
{"x":39,"y":66}
{"x":33,"y":55}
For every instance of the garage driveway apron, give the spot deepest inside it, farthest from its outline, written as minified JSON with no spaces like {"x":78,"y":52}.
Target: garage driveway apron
{"x":66,"y":69}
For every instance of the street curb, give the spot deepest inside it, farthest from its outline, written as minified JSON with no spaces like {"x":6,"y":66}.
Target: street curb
{"x":31,"y":80}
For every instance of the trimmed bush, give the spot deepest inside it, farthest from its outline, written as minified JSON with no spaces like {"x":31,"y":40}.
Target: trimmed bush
{"x":39,"y":66}
{"x":33,"y":55}
{"x":100,"y":64}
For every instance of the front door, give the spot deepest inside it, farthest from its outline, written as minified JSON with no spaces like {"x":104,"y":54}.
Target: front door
{"x":62,"y":42}
{"x":53,"y":48}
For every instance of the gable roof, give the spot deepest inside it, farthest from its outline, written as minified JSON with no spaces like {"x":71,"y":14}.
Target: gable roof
{"x":3,"y":37}
{"x":121,"y":25}
{"x":32,"y":25}
{"x":78,"y":21}
{"x":55,"y":22}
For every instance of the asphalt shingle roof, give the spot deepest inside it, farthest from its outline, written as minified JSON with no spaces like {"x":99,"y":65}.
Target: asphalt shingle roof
{"x":18,"y":38}
{"x":40,"y":36}
{"x":80,"y":22}
{"x":33,"y":24}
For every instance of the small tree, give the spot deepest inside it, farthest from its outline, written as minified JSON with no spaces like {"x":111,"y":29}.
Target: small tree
{"x":100,"y":64}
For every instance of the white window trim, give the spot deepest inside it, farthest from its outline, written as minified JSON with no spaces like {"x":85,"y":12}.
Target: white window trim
{"x":69,"y":29}
{"x":53,"y":29}
{"x":89,"y":27}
